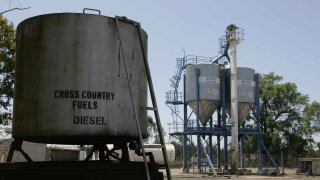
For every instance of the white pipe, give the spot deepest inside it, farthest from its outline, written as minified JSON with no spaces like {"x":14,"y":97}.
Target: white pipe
{"x":234,"y":98}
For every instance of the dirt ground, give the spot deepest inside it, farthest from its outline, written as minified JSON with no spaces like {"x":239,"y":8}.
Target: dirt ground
{"x":290,"y":174}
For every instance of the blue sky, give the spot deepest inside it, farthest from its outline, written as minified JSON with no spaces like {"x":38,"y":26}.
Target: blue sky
{"x":280,"y":36}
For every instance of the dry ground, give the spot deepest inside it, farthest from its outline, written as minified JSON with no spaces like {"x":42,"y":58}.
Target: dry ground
{"x":177,"y":174}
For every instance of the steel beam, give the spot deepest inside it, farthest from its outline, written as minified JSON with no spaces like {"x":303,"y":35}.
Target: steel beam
{"x":185,"y":123}
{"x":198,"y":124}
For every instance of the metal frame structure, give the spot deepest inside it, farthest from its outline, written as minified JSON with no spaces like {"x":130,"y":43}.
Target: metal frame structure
{"x":221,"y":129}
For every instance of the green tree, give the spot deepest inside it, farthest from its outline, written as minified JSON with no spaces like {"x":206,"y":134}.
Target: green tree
{"x":178,"y":145}
{"x":311,"y":122}
{"x":153,"y":131}
{"x":281,"y":109}
{"x":311,"y":114}
{"x":151,"y":128}
{"x":178,"y":149}
{"x":7,"y":60}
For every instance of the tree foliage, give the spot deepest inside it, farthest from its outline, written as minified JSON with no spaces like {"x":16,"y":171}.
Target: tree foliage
{"x":7,"y":60}
{"x":282,"y":117}
{"x":151,"y":128}
{"x":152,"y":131}
{"x":311,"y":114}
{"x":178,"y":145}
{"x":311,"y":125}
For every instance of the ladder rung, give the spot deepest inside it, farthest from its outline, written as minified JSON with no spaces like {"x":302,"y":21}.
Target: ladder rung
{"x":153,"y":146}
{"x":152,"y":108}
{"x":149,"y":108}
{"x":162,"y":166}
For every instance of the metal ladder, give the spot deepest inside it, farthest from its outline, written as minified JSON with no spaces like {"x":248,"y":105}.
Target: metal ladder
{"x":207,"y":157}
{"x":153,"y":98}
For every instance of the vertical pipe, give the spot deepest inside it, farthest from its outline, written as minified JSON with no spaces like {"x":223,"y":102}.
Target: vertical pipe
{"x":241,"y":152}
{"x":198,"y":123}
{"x":210,"y":139}
{"x":218,"y":139}
{"x":224,"y":118}
{"x":185,"y":124}
{"x":257,"y":99}
{"x":234,"y":99}
{"x":282,"y":163}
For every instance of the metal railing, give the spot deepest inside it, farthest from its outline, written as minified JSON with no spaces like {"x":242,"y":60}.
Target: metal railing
{"x":177,"y":127}
{"x":174,"y":97}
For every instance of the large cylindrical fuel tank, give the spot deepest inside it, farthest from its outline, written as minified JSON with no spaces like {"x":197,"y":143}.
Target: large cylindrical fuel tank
{"x":246,"y":92}
{"x":209,"y":89}
{"x":71,"y":85}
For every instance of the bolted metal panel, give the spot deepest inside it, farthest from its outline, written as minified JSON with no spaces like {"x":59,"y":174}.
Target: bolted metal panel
{"x":71,"y":85}
{"x":246,"y":92}
{"x":209,"y":89}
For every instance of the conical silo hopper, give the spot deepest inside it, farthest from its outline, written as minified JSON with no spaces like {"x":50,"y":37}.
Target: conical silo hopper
{"x":209,"y":89}
{"x":246,"y":92}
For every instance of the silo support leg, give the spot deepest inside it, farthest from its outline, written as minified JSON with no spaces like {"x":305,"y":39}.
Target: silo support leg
{"x":124,"y":152}
{"x":90,"y":155}
{"x":125,"y":155}
{"x":17,"y":145}
{"x":10,"y":154}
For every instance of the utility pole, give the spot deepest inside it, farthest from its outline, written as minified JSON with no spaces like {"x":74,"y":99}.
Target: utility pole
{"x":234,"y":39}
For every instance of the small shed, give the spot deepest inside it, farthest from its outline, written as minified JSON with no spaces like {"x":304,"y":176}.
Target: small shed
{"x":309,"y":165}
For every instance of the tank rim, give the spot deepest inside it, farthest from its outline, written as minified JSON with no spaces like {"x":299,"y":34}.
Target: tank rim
{"x":71,"y":13}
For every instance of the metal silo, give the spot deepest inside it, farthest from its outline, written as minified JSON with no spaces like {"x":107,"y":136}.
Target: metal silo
{"x":246,"y":92}
{"x":71,"y":85}
{"x":209,"y":89}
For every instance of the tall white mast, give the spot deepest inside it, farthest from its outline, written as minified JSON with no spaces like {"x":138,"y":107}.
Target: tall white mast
{"x":234,"y":39}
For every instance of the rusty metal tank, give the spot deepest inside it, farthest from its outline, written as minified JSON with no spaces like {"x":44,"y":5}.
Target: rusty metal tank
{"x":71,"y":85}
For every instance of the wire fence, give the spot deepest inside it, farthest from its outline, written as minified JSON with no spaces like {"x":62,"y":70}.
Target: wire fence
{"x":251,"y":161}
